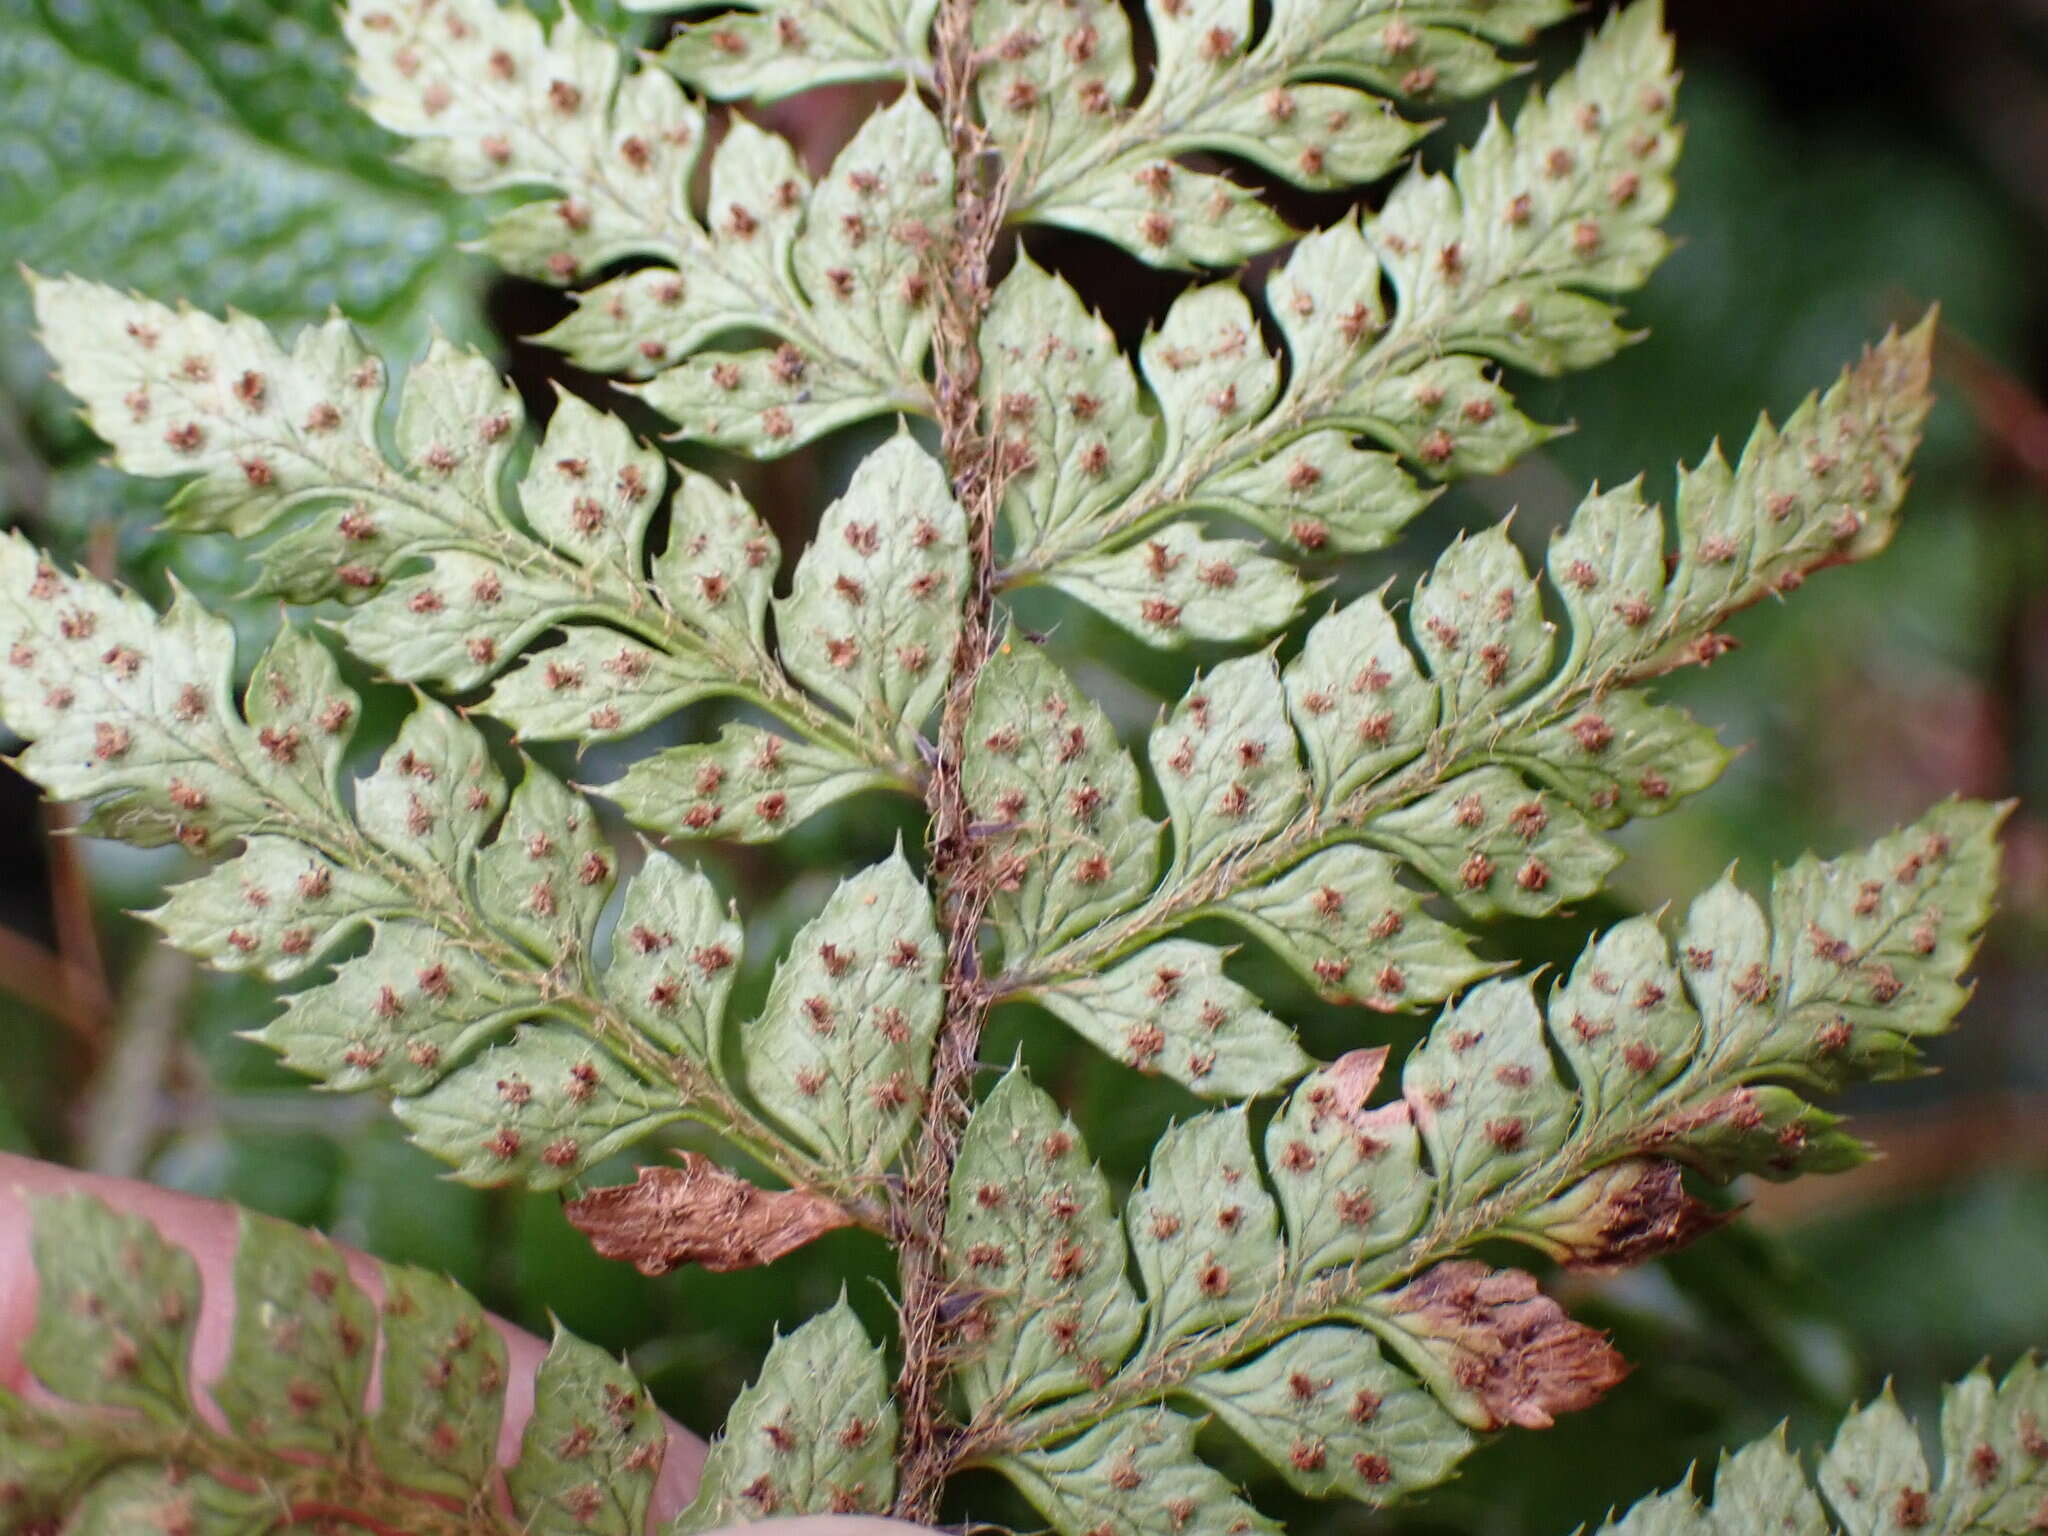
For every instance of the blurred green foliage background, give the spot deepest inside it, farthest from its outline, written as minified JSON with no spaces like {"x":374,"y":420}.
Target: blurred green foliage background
{"x":1846,"y":165}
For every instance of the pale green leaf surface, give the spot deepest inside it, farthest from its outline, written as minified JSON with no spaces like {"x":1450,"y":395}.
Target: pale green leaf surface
{"x":1346,"y":1175}
{"x":1385,"y":325}
{"x":1348,"y":927}
{"x":592,"y":1449}
{"x":874,"y":606}
{"x":1210,"y":374}
{"x":814,"y":1434}
{"x":471,"y":936}
{"x":776,"y":48}
{"x":1133,"y":1475}
{"x":1227,"y":764}
{"x":835,"y":274}
{"x":435,"y":793}
{"x":842,"y":1049}
{"x":548,"y":871}
{"x":398,"y":1017}
{"x":1623,"y":1020}
{"x":1030,"y":1227}
{"x":674,"y":953}
{"x":718,"y":567}
{"x":273,"y":434}
{"x":436,"y":1424}
{"x":1621,"y":757}
{"x":1445,"y":789}
{"x":1859,"y":955}
{"x":1495,"y":846}
{"x":275,"y":910}
{"x":144,"y":156}
{"x":1359,"y":699}
{"x":1060,"y":800}
{"x":1996,"y":1473}
{"x":1323,"y":495}
{"x":1325,"y":1410}
{"x":852,"y":305}
{"x":749,"y":786}
{"x":1875,"y":1459}
{"x":115,"y":1310}
{"x":1483,"y":1092}
{"x":492,"y":98}
{"x":1876,"y":1477}
{"x":1170,"y":1009}
{"x":1180,"y":586}
{"x":536,"y":1111}
{"x":1204,"y":1231}
{"x":1479,"y":625}
{"x":139,"y":1498}
{"x":1162,"y":213}
{"x":1059,"y":101}
{"x":599,"y":686}
{"x":1062,"y":396}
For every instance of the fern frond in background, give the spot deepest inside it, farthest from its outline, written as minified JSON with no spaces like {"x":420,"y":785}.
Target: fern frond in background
{"x":1309,"y":1261}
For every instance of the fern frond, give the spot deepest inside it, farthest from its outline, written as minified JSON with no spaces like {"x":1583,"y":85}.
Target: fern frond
{"x":1466,"y":750}
{"x":835,"y":274}
{"x":1511,"y":258}
{"x":118,"y":1440}
{"x":263,"y":435}
{"x":1349,"y":1242}
{"x":1875,"y":1481}
{"x":483,"y":909}
{"x":1291,"y":93}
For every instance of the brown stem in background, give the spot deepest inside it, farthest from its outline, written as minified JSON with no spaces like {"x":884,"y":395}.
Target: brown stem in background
{"x":959,"y":875}
{"x":84,"y":1000}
